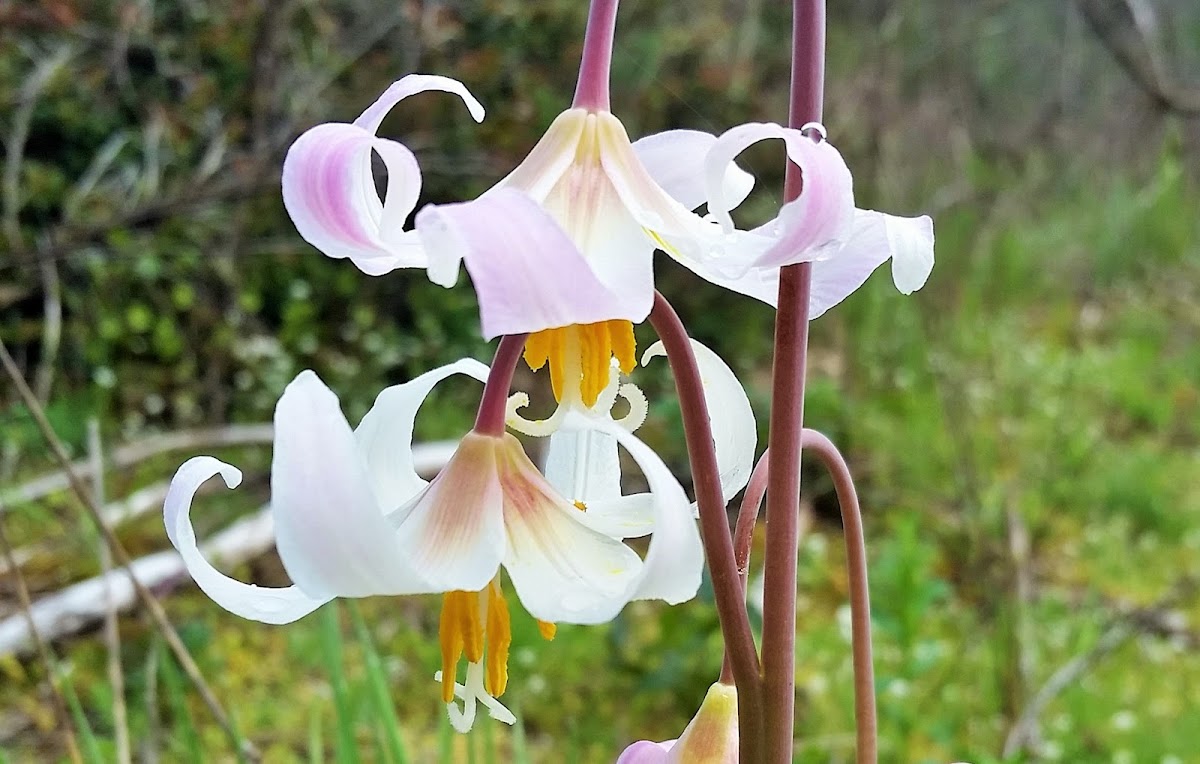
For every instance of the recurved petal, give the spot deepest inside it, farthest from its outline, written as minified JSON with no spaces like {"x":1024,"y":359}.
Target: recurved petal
{"x":875,"y":238}
{"x":812,"y":226}
{"x":675,"y":159}
{"x":269,"y":605}
{"x":332,"y":536}
{"x":385,"y":434}
{"x":453,"y":533}
{"x":527,"y":273}
{"x":412,"y":84}
{"x":735,"y":433}
{"x":911,"y":243}
{"x":329,"y":192}
{"x":672,"y":566}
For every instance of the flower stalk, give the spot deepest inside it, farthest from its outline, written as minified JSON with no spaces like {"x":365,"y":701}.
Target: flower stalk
{"x":787,"y":413}
{"x":490,"y":419}
{"x":714,"y":526}
{"x":591,"y":91}
{"x":865,"y":722}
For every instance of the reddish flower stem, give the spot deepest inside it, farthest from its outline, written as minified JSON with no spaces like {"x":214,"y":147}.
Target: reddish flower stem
{"x":714,"y":526}
{"x":492,"y":407}
{"x":591,"y":91}
{"x":865,"y":723}
{"x":743,"y":536}
{"x":787,"y":415}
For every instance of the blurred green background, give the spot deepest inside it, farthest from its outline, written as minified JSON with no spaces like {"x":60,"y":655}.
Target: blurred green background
{"x":1025,"y":430}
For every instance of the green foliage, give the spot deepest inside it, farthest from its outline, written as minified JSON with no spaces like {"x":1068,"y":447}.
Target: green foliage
{"x":1047,"y":378}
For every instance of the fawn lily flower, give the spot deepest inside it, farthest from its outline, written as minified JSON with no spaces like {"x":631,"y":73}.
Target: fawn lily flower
{"x":353,"y":519}
{"x":821,"y":226}
{"x":710,"y":738}
{"x":565,"y":241}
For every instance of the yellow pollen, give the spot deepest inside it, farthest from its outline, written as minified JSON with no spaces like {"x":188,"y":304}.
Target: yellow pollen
{"x":580,"y":506}
{"x":475,"y":625}
{"x":581,"y":353}
{"x":547,"y":630}
{"x":499,"y":638}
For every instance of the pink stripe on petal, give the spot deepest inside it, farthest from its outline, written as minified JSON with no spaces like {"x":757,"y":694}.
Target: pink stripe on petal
{"x":808,"y":228}
{"x":329,"y":192}
{"x":453,"y":535}
{"x":527,"y":273}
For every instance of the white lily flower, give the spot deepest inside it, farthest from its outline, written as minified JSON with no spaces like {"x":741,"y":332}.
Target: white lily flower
{"x":353,"y":519}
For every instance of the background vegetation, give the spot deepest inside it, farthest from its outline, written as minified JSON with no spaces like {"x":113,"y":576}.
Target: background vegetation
{"x":1026,"y":429}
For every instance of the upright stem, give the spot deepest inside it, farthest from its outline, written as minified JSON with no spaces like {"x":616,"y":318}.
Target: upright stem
{"x":714,"y":527}
{"x":492,"y":407}
{"x":787,"y":414}
{"x":865,"y":723}
{"x":591,"y":92}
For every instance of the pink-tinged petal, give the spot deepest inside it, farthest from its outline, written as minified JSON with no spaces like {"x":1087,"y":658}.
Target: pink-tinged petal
{"x":646,"y":752}
{"x":385,"y":434}
{"x":329,"y":192}
{"x":675,"y":159}
{"x":269,"y":605}
{"x":542,"y":169}
{"x":412,"y":84}
{"x":453,"y":534}
{"x":527,"y":273}
{"x":329,"y":188}
{"x":332,"y":536}
{"x":811,"y":227}
{"x":562,"y":570}
{"x":734,"y":431}
{"x":875,"y":238}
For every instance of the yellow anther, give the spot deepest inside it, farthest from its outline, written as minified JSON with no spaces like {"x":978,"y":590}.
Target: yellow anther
{"x":580,"y":506}
{"x":624,"y":347}
{"x":451,"y":637}
{"x":580,"y":354}
{"x":499,"y":638}
{"x":475,"y":625}
{"x":547,"y":629}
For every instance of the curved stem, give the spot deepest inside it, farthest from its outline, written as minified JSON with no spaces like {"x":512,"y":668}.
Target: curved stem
{"x":856,"y":566}
{"x":787,"y":414}
{"x":743,"y":533}
{"x":490,"y":419}
{"x":714,"y":525}
{"x":743,"y":536}
{"x":591,"y":91}
{"x":860,"y":599}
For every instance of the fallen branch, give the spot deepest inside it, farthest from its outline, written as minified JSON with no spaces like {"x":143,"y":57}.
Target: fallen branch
{"x":139,"y":451}
{"x":83,"y":604}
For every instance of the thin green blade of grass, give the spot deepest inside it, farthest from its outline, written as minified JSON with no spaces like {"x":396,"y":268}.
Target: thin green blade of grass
{"x":91,"y":747}
{"x":381,"y":699}
{"x":181,"y":716}
{"x":520,"y":745}
{"x":345,"y":749}
{"x":316,"y":739}
{"x":445,"y":741}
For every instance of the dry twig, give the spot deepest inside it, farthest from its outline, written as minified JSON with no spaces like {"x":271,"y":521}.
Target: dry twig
{"x":153,"y":606}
